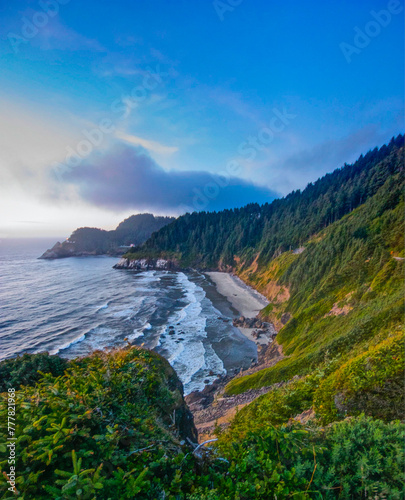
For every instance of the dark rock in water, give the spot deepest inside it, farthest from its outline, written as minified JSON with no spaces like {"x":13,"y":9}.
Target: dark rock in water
{"x":181,"y":338}
{"x":206,"y":381}
{"x":211,"y":373}
{"x":172,"y":332}
{"x":171,"y":327}
{"x":248,"y":322}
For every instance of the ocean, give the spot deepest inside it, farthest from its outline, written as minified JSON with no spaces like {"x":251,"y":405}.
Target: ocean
{"x":74,"y":306}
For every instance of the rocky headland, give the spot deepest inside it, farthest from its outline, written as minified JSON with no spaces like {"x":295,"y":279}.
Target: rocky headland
{"x":90,"y":241}
{"x":69,"y":249}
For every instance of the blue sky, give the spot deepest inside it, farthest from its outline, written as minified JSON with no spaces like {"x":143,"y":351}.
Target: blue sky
{"x":262,"y":93}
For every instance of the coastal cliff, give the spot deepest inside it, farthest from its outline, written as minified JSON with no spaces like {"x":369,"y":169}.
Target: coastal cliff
{"x":115,"y":425}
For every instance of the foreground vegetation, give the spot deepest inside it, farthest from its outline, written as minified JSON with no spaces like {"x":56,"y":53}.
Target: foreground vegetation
{"x":112,"y":426}
{"x":115,"y":426}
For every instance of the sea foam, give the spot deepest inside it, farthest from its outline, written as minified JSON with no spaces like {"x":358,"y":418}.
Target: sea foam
{"x":185,"y":345}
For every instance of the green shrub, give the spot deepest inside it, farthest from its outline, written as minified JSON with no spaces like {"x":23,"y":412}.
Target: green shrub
{"x":358,"y":458}
{"x":363,"y":458}
{"x":109,"y":416}
{"x":270,"y":463}
{"x":24,"y":370}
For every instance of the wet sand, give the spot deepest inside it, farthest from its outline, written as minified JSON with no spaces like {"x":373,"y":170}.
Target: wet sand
{"x":247,"y":301}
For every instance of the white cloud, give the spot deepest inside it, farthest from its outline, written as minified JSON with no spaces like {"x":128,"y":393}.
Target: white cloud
{"x":151,"y":146}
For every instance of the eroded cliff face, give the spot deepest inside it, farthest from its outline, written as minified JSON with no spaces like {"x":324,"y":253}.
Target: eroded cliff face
{"x":182,"y":419}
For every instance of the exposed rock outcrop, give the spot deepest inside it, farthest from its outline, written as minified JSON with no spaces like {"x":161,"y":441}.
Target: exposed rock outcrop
{"x":261,"y":328}
{"x":285,"y":318}
{"x":212,"y":408}
{"x":249,"y":322}
{"x":306,"y":416}
{"x":146,"y":264}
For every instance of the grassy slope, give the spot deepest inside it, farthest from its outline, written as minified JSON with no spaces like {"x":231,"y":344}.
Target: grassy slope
{"x":350,"y":265}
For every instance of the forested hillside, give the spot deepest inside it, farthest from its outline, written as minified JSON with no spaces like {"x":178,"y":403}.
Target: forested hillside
{"x":220,"y":239}
{"x":340,"y":298}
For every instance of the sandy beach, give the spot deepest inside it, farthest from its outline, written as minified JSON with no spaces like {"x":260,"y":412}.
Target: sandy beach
{"x":247,"y":301}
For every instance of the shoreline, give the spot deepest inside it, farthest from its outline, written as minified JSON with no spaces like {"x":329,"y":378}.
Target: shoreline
{"x":244,"y":299}
{"x":211,"y":407}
